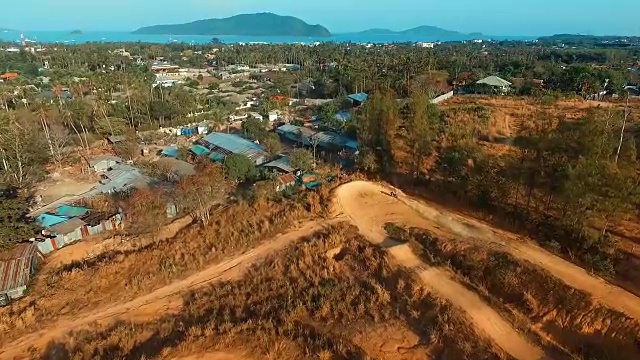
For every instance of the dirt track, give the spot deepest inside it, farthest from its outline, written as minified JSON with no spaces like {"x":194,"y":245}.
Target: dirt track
{"x":369,"y":207}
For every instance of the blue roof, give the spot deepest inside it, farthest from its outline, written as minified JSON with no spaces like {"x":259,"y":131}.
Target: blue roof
{"x":235,"y":144}
{"x":49,"y":220}
{"x":360,"y":97}
{"x":199,"y":150}
{"x":170,"y":151}
{"x":71,"y":211}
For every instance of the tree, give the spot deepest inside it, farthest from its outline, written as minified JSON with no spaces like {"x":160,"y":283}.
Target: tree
{"x":14,"y":226}
{"x":302,"y":159}
{"x":196,"y":194}
{"x":146,"y":210}
{"x":272,"y":144}
{"x":239,"y":168}
{"x":127,"y":149}
{"x":23,"y":150}
{"x":422,"y":127}
{"x":254,"y":129}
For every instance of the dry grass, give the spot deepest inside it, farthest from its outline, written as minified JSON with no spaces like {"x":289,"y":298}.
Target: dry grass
{"x":567,"y":316}
{"x":312,"y":301}
{"x":120,"y":275}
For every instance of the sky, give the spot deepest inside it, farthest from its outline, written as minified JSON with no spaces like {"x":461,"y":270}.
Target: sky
{"x":490,"y":17}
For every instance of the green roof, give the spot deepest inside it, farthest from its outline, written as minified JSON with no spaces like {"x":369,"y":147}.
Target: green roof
{"x":216,"y":156}
{"x":199,"y":150}
{"x":494,"y":81}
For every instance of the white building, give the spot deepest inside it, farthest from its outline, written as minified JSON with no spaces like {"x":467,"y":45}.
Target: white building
{"x":273,"y":116}
{"x":426,"y":45}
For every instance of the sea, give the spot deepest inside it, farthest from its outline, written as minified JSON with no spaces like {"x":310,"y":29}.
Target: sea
{"x":49,"y":37}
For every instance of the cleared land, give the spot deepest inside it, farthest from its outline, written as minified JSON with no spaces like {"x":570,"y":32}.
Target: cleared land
{"x":369,"y":207}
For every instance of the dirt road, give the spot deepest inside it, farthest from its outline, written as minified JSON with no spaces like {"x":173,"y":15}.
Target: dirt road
{"x":474,"y":231}
{"x":164,"y":300}
{"x":369,"y":208}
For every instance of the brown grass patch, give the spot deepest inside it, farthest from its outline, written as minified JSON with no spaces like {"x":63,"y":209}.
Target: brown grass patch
{"x":121,"y":275}
{"x":299,"y":304}
{"x":568,"y":316}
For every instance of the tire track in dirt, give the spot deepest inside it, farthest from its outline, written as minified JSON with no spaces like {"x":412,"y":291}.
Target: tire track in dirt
{"x":369,"y":208}
{"x":164,"y":300}
{"x":476,"y":232}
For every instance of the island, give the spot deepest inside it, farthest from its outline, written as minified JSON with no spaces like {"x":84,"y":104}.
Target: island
{"x":426,"y":32}
{"x":76,"y":32}
{"x":261,"y":24}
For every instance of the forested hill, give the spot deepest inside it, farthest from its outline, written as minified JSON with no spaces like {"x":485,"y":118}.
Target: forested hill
{"x":262,"y":24}
{"x":431,"y":32}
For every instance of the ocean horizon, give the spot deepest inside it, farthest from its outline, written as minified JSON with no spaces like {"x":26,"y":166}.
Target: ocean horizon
{"x":66,"y":37}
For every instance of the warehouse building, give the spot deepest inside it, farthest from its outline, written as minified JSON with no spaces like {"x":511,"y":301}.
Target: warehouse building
{"x":222,"y":145}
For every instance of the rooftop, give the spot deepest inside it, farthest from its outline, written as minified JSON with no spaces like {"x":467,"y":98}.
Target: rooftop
{"x":283,"y":163}
{"x":15,"y":266}
{"x":68,"y":226}
{"x":102,"y":158}
{"x":235,"y":144}
{"x":359,"y":97}
{"x":179,"y":167}
{"x":494,"y":81}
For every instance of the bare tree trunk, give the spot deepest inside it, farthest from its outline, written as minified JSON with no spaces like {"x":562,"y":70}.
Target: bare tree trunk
{"x":624,"y":125}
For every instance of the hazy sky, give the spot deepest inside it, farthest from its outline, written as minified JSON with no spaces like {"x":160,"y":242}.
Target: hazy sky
{"x":491,"y":17}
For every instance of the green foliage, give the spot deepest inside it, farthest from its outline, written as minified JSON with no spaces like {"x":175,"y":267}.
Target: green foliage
{"x":272,"y":144}
{"x":302,"y":159}
{"x":14,"y":226}
{"x":240,"y":168}
{"x":255,"y":129}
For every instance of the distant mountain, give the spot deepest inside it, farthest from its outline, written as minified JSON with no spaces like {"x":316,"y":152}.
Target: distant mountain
{"x":427,"y":32}
{"x":262,"y":24}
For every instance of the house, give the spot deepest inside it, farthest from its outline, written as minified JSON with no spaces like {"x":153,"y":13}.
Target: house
{"x":495,"y":83}
{"x":227,"y":144}
{"x":177,"y":168}
{"x":358,"y":99}
{"x":170,"y":151}
{"x":281,"y":165}
{"x":285,"y":181}
{"x":273,"y":116}
{"x":104,"y":163}
{"x":17,"y":267}
{"x":120,"y":178}
{"x":69,"y":231}
{"x":428,"y":45}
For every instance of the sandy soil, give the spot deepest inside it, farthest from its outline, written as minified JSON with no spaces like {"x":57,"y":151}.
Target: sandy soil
{"x":165,"y":300}
{"x":475,"y":231}
{"x":369,"y":207}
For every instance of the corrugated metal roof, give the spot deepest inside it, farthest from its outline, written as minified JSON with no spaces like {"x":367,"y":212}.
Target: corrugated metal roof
{"x":494,"y":81}
{"x":181,"y":168}
{"x":70,"y":211}
{"x":68,"y":226}
{"x":235,"y":144}
{"x":216,"y":156}
{"x":199,"y":150}
{"x":15,"y":266}
{"x":170,"y":151}
{"x":360,"y":97}
{"x":48,"y":220}
{"x":99,"y":159}
{"x":283,"y":163}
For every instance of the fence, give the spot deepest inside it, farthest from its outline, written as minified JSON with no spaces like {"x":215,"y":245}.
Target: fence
{"x":442,"y":97}
{"x":61,"y":240}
